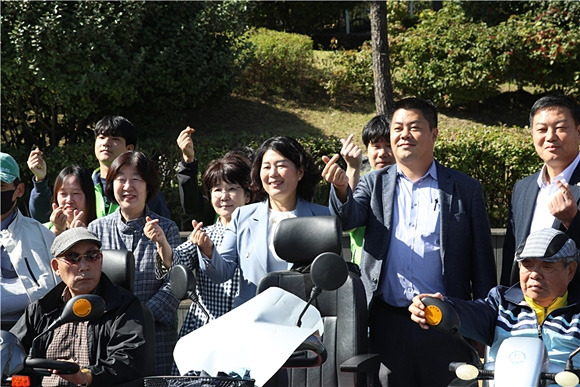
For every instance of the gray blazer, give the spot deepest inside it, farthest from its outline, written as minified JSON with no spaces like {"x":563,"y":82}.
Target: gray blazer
{"x":244,"y":244}
{"x":521,"y":211}
{"x":466,"y":249}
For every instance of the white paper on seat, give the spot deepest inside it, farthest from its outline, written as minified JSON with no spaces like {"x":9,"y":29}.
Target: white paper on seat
{"x":259,"y":336}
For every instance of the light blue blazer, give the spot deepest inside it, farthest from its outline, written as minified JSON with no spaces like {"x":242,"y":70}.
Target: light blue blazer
{"x":245,"y":245}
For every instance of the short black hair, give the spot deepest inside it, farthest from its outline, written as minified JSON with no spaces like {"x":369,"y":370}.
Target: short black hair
{"x":293,"y":151}
{"x":377,"y":128}
{"x":553,"y":101}
{"x":426,"y":107}
{"x":117,"y":126}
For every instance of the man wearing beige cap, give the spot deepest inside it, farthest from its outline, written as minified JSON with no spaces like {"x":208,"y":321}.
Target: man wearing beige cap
{"x":545,"y":304}
{"x":24,"y":243}
{"x":110,"y":349}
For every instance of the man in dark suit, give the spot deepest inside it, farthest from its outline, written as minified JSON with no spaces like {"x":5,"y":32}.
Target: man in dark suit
{"x":426,"y":228}
{"x":550,"y":197}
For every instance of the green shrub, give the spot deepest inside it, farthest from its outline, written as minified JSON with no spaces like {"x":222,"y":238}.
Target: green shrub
{"x":66,"y":64}
{"x":446,"y":58}
{"x":454,"y":61}
{"x":398,"y":17}
{"x":280,"y":64}
{"x":496,"y":156}
{"x":349,"y":74}
{"x":543,"y":47}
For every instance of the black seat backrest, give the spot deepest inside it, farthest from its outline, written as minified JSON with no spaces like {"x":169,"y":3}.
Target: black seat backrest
{"x":344,"y":310}
{"x":300,"y":240}
{"x":119,"y":266}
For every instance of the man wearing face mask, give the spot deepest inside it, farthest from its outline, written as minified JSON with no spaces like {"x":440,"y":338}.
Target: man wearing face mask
{"x":25,"y":244}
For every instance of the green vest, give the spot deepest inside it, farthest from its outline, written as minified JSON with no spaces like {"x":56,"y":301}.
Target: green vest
{"x":356,"y":242}
{"x":104,"y":207}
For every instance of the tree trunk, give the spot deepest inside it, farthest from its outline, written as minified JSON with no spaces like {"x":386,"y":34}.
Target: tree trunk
{"x":381,"y":63}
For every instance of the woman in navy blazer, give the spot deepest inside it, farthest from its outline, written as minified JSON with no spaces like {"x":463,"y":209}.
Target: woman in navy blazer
{"x":284,"y":178}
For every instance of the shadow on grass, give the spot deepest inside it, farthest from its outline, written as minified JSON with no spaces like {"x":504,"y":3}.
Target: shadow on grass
{"x":240,"y":115}
{"x":243,"y":117}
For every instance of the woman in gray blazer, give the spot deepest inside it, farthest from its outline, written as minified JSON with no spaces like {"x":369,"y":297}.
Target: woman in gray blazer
{"x":284,"y":178}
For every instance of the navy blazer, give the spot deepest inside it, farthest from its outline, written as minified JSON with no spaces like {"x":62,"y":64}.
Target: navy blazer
{"x":244,"y":244}
{"x":522,"y":206}
{"x":466,"y":249}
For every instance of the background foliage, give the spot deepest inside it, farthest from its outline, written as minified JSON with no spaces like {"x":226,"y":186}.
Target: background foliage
{"x":66,"y":64}
{"x":458,"y":56}
{"x":495,"y":156}
{"x":279,"y":64}
{"x":349,"y":74}
{"x":456,"y":61}
{"x":446,"y":58}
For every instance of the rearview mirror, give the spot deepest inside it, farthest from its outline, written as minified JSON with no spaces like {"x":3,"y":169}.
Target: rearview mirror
{"x":182,"y":282}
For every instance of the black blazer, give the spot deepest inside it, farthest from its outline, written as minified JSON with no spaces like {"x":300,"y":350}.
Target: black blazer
{"x":521,"y":211}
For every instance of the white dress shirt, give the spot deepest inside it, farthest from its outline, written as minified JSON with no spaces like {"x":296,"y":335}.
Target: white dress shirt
{"x":542,"y":217}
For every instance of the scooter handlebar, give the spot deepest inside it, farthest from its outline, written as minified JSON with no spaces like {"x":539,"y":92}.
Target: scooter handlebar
{"x":42,"y":366}
{"x":301,"y":357}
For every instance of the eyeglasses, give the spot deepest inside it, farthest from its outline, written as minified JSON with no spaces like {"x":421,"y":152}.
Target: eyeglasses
{"x":74,"y":258}
{"x":529,"y":265}
{"x":232,"y":191}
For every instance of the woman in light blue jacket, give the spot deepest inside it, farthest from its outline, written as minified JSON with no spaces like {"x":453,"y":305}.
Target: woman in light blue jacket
{"x":284,"y":177}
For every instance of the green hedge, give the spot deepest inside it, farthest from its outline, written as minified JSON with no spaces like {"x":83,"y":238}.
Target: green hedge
{"x":284,"y":65}
{"x":65,"y":64}
{"x":456,"y":61}
{"x":447,"y":58}
{"x":496,"y":156}
{"x":280,"y":64}
{"x":349,"y":74}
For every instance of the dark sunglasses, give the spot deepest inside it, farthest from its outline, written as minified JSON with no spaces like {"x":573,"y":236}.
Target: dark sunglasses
{"x":74,"y":258}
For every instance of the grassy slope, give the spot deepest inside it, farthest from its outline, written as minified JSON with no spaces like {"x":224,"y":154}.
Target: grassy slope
{"x":240,"y":114}
{"x":245,"y":115}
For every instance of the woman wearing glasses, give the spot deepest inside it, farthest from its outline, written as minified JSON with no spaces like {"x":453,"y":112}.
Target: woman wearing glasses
{"x":284,"y":177}
{"x":226,"y":182}
{"x":132,"y":181}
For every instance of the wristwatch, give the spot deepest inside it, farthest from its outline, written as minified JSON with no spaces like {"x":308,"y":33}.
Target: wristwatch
{"x":87,"y":373}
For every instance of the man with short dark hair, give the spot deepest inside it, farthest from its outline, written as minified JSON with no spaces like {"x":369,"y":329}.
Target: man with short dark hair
{"x":25,"y":247}
{"x":550,"y":197}
{"x":110,"y":349}
{"x":114,"y":135}
{"x":544,"y":304}
{"x":426,"y":228}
